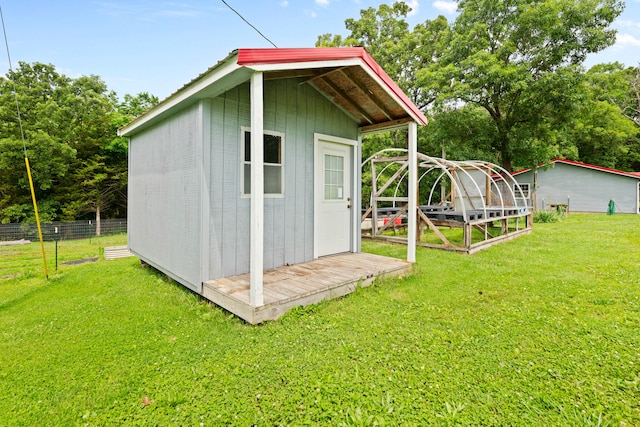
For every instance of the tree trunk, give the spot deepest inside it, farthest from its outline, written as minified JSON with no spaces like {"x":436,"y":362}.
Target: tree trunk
{"x":98,"y":231}
{"x":506,"y":163}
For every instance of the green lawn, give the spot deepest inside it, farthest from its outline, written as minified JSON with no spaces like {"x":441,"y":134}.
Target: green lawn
{"x":542,"y":330}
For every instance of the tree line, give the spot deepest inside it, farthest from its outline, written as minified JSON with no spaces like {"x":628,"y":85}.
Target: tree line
{"x":78,"y":163}
{"x":503,"y":82}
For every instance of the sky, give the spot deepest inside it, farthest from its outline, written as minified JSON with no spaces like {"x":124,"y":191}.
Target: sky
{"x":158,"y":46}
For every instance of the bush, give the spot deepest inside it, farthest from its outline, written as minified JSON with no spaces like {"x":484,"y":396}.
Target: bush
{"x":546,"y":216}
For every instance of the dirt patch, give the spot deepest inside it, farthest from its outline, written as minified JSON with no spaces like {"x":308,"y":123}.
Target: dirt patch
{"x":80,"y":261}
{"x":15,"y":242}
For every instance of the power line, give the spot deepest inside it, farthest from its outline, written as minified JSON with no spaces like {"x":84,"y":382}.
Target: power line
{"x":24,"y":148}
{"x":15,"y":91}
{"x":249,"y":23}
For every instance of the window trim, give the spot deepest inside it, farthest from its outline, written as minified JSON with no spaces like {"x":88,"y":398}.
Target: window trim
{"x":243,"y":131}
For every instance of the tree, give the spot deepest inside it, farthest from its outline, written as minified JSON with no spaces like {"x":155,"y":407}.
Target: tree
{"x":92,"y":186}
{"x":133,"y":106}
{"x":618,"y":85}
{"x":461,"y":133}
{"x":401,"y":52}
{"x":40,"y":91}
{"x":78,"y":163}
{"x":520,"y":61}
{"x":603,"y":127}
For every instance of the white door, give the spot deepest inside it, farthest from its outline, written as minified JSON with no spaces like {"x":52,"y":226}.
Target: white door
{"x":333,"y":197}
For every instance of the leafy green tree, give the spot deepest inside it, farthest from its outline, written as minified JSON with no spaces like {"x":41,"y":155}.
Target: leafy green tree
{"x":459,"y":133}
{"x":133,"y":106}
{"x":618,"y":85}
{"x":402,"y":52}
{"x":603,"y":128}
{"x":40,"y":92}
{"x":94,"y":182}
{"x":78,"y":163}
{"x":520,"y":61}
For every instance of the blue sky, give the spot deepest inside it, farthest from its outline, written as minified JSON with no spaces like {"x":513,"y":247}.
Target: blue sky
{"x":158,"y":46}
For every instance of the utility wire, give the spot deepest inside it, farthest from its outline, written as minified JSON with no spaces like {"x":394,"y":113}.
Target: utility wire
{"x":24,"y":148}
{"x":15,"y":91}
{"x":249,"y":23}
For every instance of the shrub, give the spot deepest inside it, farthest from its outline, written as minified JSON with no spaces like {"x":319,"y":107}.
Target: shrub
{"x":546,"y":216}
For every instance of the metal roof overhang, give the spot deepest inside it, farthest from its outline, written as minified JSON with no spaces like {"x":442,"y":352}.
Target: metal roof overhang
{"x":348,"y":77}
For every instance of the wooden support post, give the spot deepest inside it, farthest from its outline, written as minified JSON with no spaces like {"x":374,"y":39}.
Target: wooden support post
{"x":467,"y":235}
{"x":256,"y":255}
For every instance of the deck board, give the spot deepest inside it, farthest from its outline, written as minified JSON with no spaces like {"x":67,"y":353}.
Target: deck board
{"x":302,"y":284}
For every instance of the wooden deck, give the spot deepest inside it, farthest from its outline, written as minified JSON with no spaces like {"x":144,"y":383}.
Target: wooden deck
{"x":302,"y":284}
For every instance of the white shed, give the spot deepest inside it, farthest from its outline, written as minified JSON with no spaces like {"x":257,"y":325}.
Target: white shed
{"x":288,"y":122}
{"x":580,"y":187}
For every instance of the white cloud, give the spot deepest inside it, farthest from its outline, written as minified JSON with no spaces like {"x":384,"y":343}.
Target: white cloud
{"x":446,"y":6}
{"x":284,"y":3}
{"x":414,"y":5}
{"x":629,"y":23}
{"x":627,"y":40}
{"x":323,"y":3}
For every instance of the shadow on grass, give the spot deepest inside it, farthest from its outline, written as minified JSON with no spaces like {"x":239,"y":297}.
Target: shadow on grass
{"x":26,"y":296}
{"x":189,"y":294}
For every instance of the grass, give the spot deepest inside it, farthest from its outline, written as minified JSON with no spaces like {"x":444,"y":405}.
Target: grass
{"x":455,"y":235}
{"x":541,"y":330}
{"x":26,"y":260}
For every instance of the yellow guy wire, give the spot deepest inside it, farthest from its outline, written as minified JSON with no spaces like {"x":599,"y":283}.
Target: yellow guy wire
{"x":24,"y":148}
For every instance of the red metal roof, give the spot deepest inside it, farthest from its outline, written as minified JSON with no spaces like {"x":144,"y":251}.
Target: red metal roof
{"x":259,"y":56}
{"x":585,"y":165}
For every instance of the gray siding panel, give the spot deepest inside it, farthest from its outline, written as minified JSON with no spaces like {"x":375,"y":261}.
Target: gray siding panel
{"x":298,"y":111}
{"x":164,"y":196}
{"x":587,"y":190}
{"x":165,"y":205}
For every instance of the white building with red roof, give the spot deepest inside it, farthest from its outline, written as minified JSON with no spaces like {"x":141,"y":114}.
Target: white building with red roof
{"x":581,"y":187}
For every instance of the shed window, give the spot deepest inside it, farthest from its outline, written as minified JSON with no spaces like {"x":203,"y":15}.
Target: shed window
{"x":333,"y":177}
{"x":525,"y":190}
{"x":273,"y":163}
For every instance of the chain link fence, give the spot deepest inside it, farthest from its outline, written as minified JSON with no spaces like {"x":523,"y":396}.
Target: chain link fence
{"x":58,"y":230}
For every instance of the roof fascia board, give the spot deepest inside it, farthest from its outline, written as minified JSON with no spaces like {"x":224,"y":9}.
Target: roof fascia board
{"x":217,"y":73}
